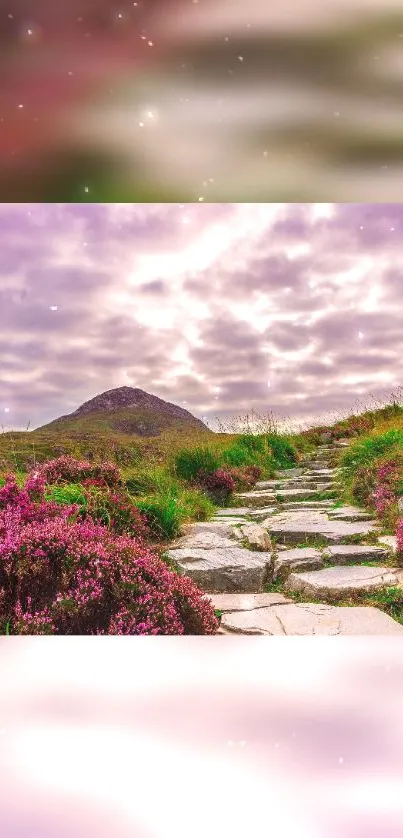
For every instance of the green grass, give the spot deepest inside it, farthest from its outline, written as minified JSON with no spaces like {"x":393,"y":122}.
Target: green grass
{"x":369,"y":448}
{"x":190,"y":461}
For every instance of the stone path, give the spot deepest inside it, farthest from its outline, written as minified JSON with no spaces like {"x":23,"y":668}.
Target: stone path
{"x":288,"y":531}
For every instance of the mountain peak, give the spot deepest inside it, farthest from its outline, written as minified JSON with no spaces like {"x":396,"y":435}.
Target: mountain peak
{"x":128,"y":410}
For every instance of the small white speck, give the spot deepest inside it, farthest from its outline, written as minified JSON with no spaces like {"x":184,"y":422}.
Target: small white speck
{"x":392,"y":229}
{"x":341,"y":760}
{"x":240,"y":57}
{"x":151,"y":43}
{"x":201,"y":198}
{"x":20,"y":106}
{"x":86,"y":189}
{"x":53,"y":308}
{"x":6,"y":410}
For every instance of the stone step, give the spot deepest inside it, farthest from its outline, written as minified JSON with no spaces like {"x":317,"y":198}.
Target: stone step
{"x":304,"y":494}
{"x":235,"y":511}
{"x":345,"y":553}
{"x":308,"y":504}
{"x":341,"y":581}
{"x":257,"y":498}
{"x":293,"y":526}
{"x":390,"y":541}
{"x":315,"y":465}
{"x":264,"y":512}
{"x":301,"y":558}
{"x":224,"y":569}
{"x":349,"y":513}
{"x":290,"y":472}
{"x":272,"y":614}
{"x":298,"y":483}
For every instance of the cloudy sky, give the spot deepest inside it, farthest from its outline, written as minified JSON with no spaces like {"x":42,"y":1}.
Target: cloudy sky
{"x":222,"y":308}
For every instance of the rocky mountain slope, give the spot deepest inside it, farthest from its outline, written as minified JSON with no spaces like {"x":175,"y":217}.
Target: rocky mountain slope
{"x":127,"y":410}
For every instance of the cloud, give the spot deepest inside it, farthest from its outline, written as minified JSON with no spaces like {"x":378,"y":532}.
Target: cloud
{"x":182,"y":299}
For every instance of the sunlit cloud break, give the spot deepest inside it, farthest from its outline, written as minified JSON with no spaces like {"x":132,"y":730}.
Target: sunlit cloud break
{"x":289,"y":309}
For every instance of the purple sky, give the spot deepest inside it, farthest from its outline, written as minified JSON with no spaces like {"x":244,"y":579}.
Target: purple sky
{"x":222,"y":308}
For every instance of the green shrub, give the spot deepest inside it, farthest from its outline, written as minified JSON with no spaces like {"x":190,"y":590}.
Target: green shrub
{"x":171,"y":505}
{"x":190,"y":461}
{"x":196,"y":506}
{"x":146,"y":481}
{"x":164,"y":515}
{"x":67,"y":494}
{"x":237,"y":456}
{"x":283,"y":451}
{"x":365,"y":450}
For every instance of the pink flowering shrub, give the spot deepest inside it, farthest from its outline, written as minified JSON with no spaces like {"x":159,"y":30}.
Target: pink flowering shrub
{"x":70,"y":470}
{"x":60,"y":575}
{"x":29,"y":504}
{"x":389,"y":485}
{"x":246,"y":477}
{"x":219,"y":484}
{"x":113,"y":508}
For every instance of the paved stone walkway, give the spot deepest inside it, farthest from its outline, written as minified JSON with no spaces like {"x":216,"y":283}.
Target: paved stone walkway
{"x":289,"y":531}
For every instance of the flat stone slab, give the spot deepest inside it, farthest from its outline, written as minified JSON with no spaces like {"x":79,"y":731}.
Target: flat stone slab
{"x":307,"y":504}
{"x":236,"y":511}
{"x":341,"y":581}
{"x":345,"y":553}
{"x":315,"y":465}
{"x":389,"y":541}
{"x":349,"y":513}
{"x":309,"y":619}
{"x":260,"y":514}
{"x":303,"y":494}
{"x":228,"y":569}
{"x":290,"y":472}
{"x":258,"y":498}
{"x":301,"y":558}
{"x":222,"y":527}
{"x":229,"y":520}
{"x":311,"y":483}
{"x":293,"y":526}
{"x":246,"y":602}
{"x":205,"y":540}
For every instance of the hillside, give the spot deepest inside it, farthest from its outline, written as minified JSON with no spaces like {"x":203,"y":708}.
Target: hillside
{"x":126,"y":410}
{"x":124,"y":425}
